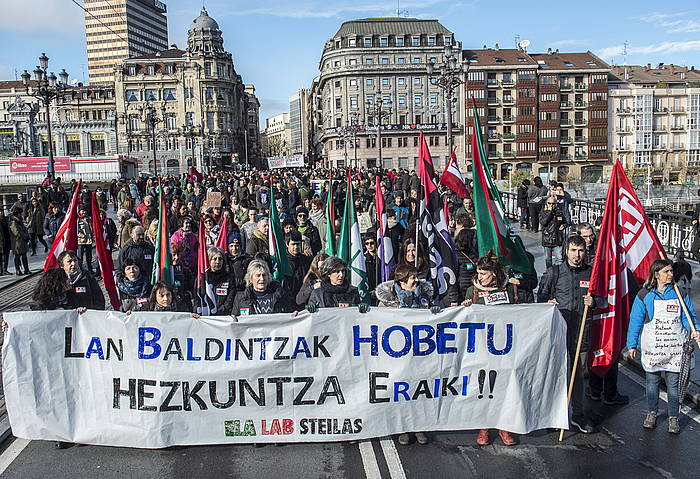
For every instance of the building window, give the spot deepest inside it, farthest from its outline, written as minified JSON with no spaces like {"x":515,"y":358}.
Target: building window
{"x":353,"y":102}
{"x":400,"y":61}
{"x":169,"y":94}
{"x":97,"y":145}
{"x":352,"y":61}
{"x":402,"y":100}
{"x":131,"y":70}
{"x":385,"y":61}
{"x":369,"y":61}
{"x":416,"y":81}
{"x":352,"y":42}
{"x":151,"y":95}
{"x":385,"y":82}
{"x":415,"y":41}
{"x":384,"y":41}
{"x":132,"y":95}
{"x":418,"y":101}
{"x":353,"y":82}
{"x":431,"y":41}
{"x":189,"y":118}
{"x":169,"y":68}
{"x":220,"y":70}
{"x":401,"y":81}
{"x":73,"y":145}
{"x":447,"y":40}
{"x":207,"y":68}
{"x":369,"y":82}
{"x":399,"y":41}
{"x":209,"y":94}
{"x":416,"y":60}
{"x":368,"y":42}
{"x":171,"y":122}
{"x":151,"y":70}
{"x":476,"y":76}
{"x":433,"y":100}
{"x":210,"y":120}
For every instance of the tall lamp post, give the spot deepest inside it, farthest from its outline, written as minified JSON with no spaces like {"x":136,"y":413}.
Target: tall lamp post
{"x":47,"y":88}
{"x":448,"y":76}
{"x":191,"y":132}
{"x":379,"y":113}
{"x":151,"y":120}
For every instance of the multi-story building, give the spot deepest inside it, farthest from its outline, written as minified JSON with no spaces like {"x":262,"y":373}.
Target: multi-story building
{"x":253,"y":149}
{"x":300,"y":122}
{"x":545,"y":114}
{"x":192,"y":101}
{"x":278,"y":136}
{"x":119,"y":29}
{"x":654,"y":120}
{"x":82,"y":122}
{"x":373,"y":72}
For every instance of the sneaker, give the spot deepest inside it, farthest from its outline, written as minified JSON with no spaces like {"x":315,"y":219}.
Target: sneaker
{"x":482,"y":439}
{"x":583,"y":425}
{"x":617,"y":400}
{"x":421,"y":438}
{"x":593,"y":396}
{"x":507,"y":438}
{"x":673,"y":426}
{"x":650,"y":421}
{"x":404,"y":439}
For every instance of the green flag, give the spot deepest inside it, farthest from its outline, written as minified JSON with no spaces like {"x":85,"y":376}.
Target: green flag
{"x":278,"y":248}
{"x":350,"y":246}
{"x":329,"y":248}
{"x":492,"y":229}
{"x":163,"y":258}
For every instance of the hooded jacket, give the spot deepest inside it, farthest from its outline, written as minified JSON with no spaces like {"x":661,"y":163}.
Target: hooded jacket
{"x":386,"y":294}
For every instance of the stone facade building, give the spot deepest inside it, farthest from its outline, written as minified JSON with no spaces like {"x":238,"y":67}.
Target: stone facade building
{"x":192,"y":101}
{"x":278,"y":136}
{"x":655,"y":120}
{"x":381,"y":62}
{"x":300,"y":122}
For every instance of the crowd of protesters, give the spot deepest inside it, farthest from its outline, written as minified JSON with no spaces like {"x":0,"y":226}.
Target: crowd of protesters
{"x":239,"y":279}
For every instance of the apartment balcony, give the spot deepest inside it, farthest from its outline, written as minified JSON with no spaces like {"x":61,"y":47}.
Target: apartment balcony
{"x":508,"y":137}
{"x":580,"y":122}
{"x":580,"y":139}
{"x":660,"y":110}
{"x":566,"y":105}
{"x":580,"y":104}
{"x":564,"y":157}
{"x":493,"y":101}
{"x":580,"y":157}
{"x":675,"y":110}
{"x":493,"y":119}
{"x":508,"y":83}
{"x":624,"y":111}
{"x":565,"y":140}
{"x":659,"y":128}
{"x":623,"y":129}
{"x":580,"y":86}
{"x":676,"y":146}
{"x":508,"y":100}
{"x":493,"y":155}
{"x":678,"y":128}
{"x":509,"y":154}
{"x":508,"y":119}
{"x":660,"y":146}
{"x":494,"y":137}
{"x":565,"y":123}
{"x":492,"y":83}
{"x":565,"y":86}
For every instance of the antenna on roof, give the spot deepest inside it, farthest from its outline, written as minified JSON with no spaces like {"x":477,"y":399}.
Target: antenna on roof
{"x":399,"y":12}
{"x":624,"y":52}
{"x":523,"y":45}
{"x":517,"y":40}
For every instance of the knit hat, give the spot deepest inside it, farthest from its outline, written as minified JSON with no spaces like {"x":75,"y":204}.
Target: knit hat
{"x":331,"y":264}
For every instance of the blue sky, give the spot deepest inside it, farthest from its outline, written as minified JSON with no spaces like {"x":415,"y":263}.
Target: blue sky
{"x":276,"y":44}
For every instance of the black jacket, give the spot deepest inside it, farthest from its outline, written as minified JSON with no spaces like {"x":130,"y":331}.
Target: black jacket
{"x":85,"y":292}
{"x":281,"y":300}
{"x":142,"y":253}
{"x":300,"y":266}
{"x":568,"y":284}
{"x":551,"y":222}
{"x":184,"y":286}
{"x":238,"y":265}
{"x":314,"y":236}
{"x":328,"y":296}
{"x":522,"y":196}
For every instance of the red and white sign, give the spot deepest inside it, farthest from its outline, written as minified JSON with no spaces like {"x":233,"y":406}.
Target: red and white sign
{"x":38,"y":164}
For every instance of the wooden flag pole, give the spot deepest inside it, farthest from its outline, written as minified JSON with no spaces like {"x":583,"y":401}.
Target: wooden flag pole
{"x":680,"y":296}
{"x":575,"y":366}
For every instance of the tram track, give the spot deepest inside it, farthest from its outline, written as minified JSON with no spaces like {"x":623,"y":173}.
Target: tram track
{"x":17,"y":295}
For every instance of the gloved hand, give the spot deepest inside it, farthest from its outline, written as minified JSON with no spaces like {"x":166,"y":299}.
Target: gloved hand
{"x":312,"y":307}
{"x":363,"y":308}
{"x":435,"y":309}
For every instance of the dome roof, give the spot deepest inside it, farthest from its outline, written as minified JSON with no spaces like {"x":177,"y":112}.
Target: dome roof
{"x":204,"y":21}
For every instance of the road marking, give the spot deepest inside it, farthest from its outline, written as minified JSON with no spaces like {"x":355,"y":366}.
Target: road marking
{"x":12,"y":452}
{"x":392,"y":459}
{"x":664,"y":397}
{"x":369,"y":460}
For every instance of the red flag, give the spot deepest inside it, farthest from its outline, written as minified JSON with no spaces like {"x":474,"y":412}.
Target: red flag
{"x":67,"y":235}
{"x":104,"y":256}
{"x":223,"y":234}
{"x":202,"y":255}
{"x":627,"y":242}
{"x":453,"y":179}
{"x":195,"y":176}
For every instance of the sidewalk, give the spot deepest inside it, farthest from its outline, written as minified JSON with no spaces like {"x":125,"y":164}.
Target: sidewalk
{"x":36,"y":263}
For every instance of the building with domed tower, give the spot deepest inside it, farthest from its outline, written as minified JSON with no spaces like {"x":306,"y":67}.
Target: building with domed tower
{"x":179,"y":108}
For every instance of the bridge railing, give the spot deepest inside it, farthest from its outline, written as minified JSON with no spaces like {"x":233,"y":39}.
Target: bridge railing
{"x":675,"y":231}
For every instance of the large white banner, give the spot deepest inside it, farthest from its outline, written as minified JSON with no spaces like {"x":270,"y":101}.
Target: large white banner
{"x":156,"y":379}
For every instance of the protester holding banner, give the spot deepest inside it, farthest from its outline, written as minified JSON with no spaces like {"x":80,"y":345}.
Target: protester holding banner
{"x":219,"y":284}
{"x":567,"y":286}
{"x":51,"y":291}
{"x":261,"y":295}
{"x":658,"y":329}
{"x":163,"y":298}
{"x":312,"y":280}
{"x":183,"y":286}
{"x":138,"y":250}
{"x":85,"y":291}
{"x":335,"y":290}
{"x":491,"y":287}
{"x":187,"y":242}
{"x":134,"y":286}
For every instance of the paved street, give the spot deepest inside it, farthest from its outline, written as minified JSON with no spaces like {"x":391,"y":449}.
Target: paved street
{"x":621,"y":448}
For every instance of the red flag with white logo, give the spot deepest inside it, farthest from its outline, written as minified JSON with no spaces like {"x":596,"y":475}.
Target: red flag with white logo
{"x":453,"y":179}
{"x":67,"y":234}
{"x":627,"y":242}
{"x":104,"y":255}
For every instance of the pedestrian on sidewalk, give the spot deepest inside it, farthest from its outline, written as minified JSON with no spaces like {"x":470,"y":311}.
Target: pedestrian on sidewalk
{"x":522,"y":203}
{"x":658,"y":329}
{"x":35,"y":215}
{"x":536,"y":193}
{"x":86,"y":239}
{"x":5,"y":243}
{"x":20,"y":241}
{"x":553,"y":224}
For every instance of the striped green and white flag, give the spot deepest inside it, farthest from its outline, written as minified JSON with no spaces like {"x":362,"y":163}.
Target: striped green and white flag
{"x":163,"y":261}
{"x":350,"y":246}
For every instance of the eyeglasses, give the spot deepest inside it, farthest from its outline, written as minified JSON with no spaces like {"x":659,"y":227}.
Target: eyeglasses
{"x":551,"y":202}
{"x":301,"y":215}
{"x":369,"y":243}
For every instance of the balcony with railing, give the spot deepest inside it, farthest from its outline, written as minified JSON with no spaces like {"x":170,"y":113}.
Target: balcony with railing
{"x":564,"y":157}
{"x":493,"y":154}
{"x":566,"y":105}
{"x":509,"y":100}
{"x":565,"y":86}
{"x":508,"y":82}
{"x":493,"y":137}
{"x":659,"y":128}
{"x":580,"y":157}
{"x":623,"y":129}
{"x":492,"y":101}
{"x":508,"y":118}
{"x":492,"y":83}
{"x":677,"y":109}
{"x":624,"y":111}
{"x":509,"y":154}
{"x":678,"y":128}
{"x":508,"y":137}
{"x":565,"y":140}
{"x":493,"y":119}
{"x":580,"y":139}
{"x":659,"y":146}
{"x":580,"y":104}
{"x":580,"y":122}
{"x":580,"y":86}
{"x":565,"y":123}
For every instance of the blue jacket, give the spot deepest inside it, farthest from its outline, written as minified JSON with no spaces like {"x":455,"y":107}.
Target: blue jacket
{"x":643,"y":308}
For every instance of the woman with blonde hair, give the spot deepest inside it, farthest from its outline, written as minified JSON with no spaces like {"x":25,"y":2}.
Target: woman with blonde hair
{"x":261,"y":295}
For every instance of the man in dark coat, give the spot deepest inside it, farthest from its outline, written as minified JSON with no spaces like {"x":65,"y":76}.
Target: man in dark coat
{"x":306,"y":228}
{"x":139,"y":250}
{"x":298,"y":262}
{"x":85,"y":292}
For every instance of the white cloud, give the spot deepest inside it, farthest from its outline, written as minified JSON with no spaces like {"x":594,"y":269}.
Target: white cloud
{"x":42,"y":16}
{"x":664,"y":48}
{"x":673,"y":22}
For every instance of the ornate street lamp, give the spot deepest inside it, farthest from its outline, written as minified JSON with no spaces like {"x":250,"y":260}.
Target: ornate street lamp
{"x":152,"y":120}
{"x":379,"y":112}
{"x":448,"y":76}
{"x":191,"y":132}
{"x":48,"y":87}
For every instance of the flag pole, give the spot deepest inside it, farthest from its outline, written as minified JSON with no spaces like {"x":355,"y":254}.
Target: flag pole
{"x":573,"y":369}
{"x":680,"y":296}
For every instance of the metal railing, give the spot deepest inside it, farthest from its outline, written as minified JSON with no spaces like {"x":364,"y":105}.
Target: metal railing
{"x":675,"y":231}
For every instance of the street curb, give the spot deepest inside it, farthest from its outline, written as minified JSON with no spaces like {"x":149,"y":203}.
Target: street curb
{"x":692,"y":393}
{"x":5,"y":430}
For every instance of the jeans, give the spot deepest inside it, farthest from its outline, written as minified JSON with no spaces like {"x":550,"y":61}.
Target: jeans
{"x":535,"y":209}
{"x":85,"y":250}
{"x":524,"y":217}
{"x":652,"y":385}
{"x":548,"y":250}
{"x":33,"y":240}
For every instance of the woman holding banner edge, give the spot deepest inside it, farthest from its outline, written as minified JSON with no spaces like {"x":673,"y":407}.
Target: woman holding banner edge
{"x":658,"y":328}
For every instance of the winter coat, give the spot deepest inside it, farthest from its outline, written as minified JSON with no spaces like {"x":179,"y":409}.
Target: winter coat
{"x":35,"y":219}
{"x":552,"y":221}
{"x":534,"y":192}
{"x":184,"y":286}
{"x":52,"y":223}
{"x":223,"y":286}
{"x":238,"y":265}
{"x":85,"y":292}
{"x":328,"y":296}
{"x":134,"y":301}
{"x":311,"y":232}
{"x":386,"y":293}
{"x":281,"y":301}
{"x":480,"y":294}
{"x":5,"y":235}
{"x":257,"y":244}
{"x":85,"y":234}
{"x":19,"y":236}
{"x":189,"y":247}
{"x":142,"y":254}
{"x":125,"y":231}
{"x":522,"y":196}
{"x":299,"y":265}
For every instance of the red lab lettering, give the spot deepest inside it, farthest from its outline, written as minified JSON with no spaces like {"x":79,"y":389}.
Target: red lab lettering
{"x":80,"y":289}
{"x":672,"y":308}
{"x":584,"y":284}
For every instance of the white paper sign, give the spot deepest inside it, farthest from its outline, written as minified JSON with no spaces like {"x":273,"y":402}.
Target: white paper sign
{"x":156,"y":379}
